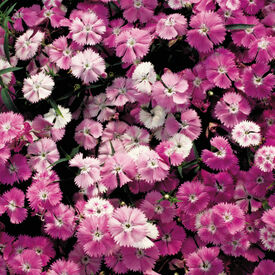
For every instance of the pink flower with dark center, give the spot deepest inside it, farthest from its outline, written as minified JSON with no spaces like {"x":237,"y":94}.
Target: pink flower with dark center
{"x":116,"y":261}
{"x":5,"y":153}
{"x":267,"y":237}
{"x":141,"y":10}
{"x":205,"y":261}
{"x":60,"y":53}
{"x":132,"y":44}
{"x":15,"y":169}
{"x":232,"y":109}
{"x":264,"y":267}
{"x":140,"y":259}
{"x":87,"y":133}
{"x":89,"y":170}
{"x":98,"y":207}
{"x":170,"y":91}
{"x":87,"y":29}
{"x":27,"y":44}
{"x":114,"y":130}
{"x":207,"y":30}
{"x":171,"y":26}
{"x":60,"y":222}
{"x":43,"y":153}
{"x":88,"y":65}
{"x":258,"y":83}
{"x":221,"y":68}
{"x":269,"y":217}
{"x":13,"y":202}
{"x":170,"y":238}
{"x":251,"y":7}
{"x":265,"y":158}
{"x":64,"y":267}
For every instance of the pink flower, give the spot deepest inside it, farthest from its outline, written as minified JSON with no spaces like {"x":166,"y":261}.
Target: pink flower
{"x":267,"y":237}
{"x":141,"y":10}
{"x":98,"y":207}
{"x":170,"y":238}
{"x":140,"y":259}
{"x":171,"y":26}
{"x":27,"y":44}
{"x":115,"y":261}
{"x":252,"y":7}
{"x":64,"y":267}
{"x":170,"y":91}
{"x":60,"y":222}
{"x":264,"y":267}
{"x":87,"y":29}
{"x":13,"y":202}
{"x":232,"y":109}
{"x":114,"y":130}
{"x":7,"y":78}
{"x":88,"y":65}
{"x":11,"y":126}
{"x":207,"y":30}
{"x":60,"y":53}
{"x":258,"y":83}
{"x":221,"y":68}
{"x":37,"y":87}
{"x":265,"y":158}
{"x":268,"y":217}
{"x":43,"y":153}
{"x":87,"y":133}
{"x":14,"y":170}
{"x":89,"y":170}
{"x":94,"y":236}
{"x":193,"y":197}
{"x":132,"y":44}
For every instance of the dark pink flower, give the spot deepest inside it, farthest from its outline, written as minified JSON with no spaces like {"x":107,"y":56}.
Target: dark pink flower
{"x":251,"y":7}
{"x":265,"y":267}
{"x":269,"y":217}
{"x":115,"y":261}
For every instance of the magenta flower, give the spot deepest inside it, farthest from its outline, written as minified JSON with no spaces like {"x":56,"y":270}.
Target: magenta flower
{"x":87,"y":29}
{"x":13,"y":202}
{"x":88,"y":65}
{"x":207,"y":30}
{"x":115,"y":261}
{"x":258,"y":83}
{"x":89,"y":170}
{"x":264,"y":267}
{"x":132,"y":44}
{"x":252,"y":7}
{"x":64,"y":267}
{"x":265,"y":158}
{"x":205,"y":261}
{"x":267,"y":237}
{"x":171,"y":26}
{"x":87,"y":133}
{"x":232,"y":109}
{"x":268,"y":217}
{"x":14,"y":170}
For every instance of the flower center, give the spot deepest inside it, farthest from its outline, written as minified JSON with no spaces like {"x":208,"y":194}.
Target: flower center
{"x":48,"y":13}
{"x":137,"y":4}
{"x":221,"y":153}
{"x":116,"y":31}
{"x":97,"y":236}
{"x":203,"y":29}
{"x":153,"y":164}
{"x":263,"y":44}
{"x":260,"y":180}
{"x":38,"y":251}
{"x":197,"y":82}
{"x":249,"y":30}
{"x":123,"y":90}
{"x":26,"y":267}
{"x":234,"y":108}
{"x":227,"y":13}
{"x":12,"y":169}
{"x":127,"y":227}
{"x":87,"y":66}
{"x":227,"y":217}
{"x":67,"y":52}
{"x":166,"y":238}
{"x":85,"y":260}
{"x":6,"y":126}
{"x":12,"y":205}
{"x":193,"y":198}
{"x":43,"y":195}
{"x":131,"y":42}
{"x":205,"y":266}
{"x":139,"y":253}
{"x":222,"y":70}
{"x":257,"y":80}
{"x":117,"y":170}
{"x":169,"y":91}
{"x":58,"y":222}
{"x":158,"y":209}
{"x":212,"y":228}
{"x":170,"y":22}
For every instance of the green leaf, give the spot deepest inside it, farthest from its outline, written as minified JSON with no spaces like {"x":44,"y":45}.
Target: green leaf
{"x":3,"y":3}
{"x":11,"y":69}
{"x":180,"y":171}
{"x":74,"y":151}
{"x":265,"y":205}
{"x":10,"y":9}
{"x":54,"y":105}
{"x":239,"y":26}
{"x":6,"y":39}
{"x":57,"y":162}
{"x":112,"y":148}
{"x":7,"y":100}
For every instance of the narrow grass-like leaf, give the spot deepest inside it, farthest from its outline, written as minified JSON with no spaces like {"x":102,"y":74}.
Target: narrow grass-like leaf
{"x":11,"y":69}
{"x":10,"y":9}
{"x":6,"y":39}
{"x":57,"y":162}
{"x":7,"y":100}
{"x":238,"y":26}
{"x":3,"y":3}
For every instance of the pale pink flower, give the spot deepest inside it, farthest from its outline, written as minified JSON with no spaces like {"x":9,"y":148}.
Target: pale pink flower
{"x":153,"y":117}
{"x":97,"y":206}
{"x":87,"y":29}
{"x":59,"y":117}
{"x":27,"y":44}
{"x":88,"y":65}
{"x":265,"y":158}
{"x":114,"y":130}
{"x":64,"y":267}
{"x":7,"y":77}
{"x":267,"y":237}
{"x":37,"y":87}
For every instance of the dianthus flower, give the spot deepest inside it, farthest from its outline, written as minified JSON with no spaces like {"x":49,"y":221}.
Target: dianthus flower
{"x":232,"y":109}
{"x":115,"y":261}
{"x":6,"y":77}
{"x":171,"y":26}
{"x":252,"y":7}
{"x":193,"y":197}
{"x":205,"y":261}
{"x":152,"y":118}
{"x":265,"y":158}
{"x":37,"y":87}
{"x":129,"y":227}
{"x":13,"y":202}
{"x":132,"y":44}
{"x":247,"y":133}
{"x":223,"y":157}
{"x":207,"y":30}
{"x":258,"y":83}
{"x":114,"y":130}
{"x":121,"y":91}
{"x":268,"y":217}
{"x":27,"y":44}
{"x":87,"y":133}
{"x":170,"y":91}
{"x":88,"y":65}
{"x":267,"y":237}
{"x":170,"y":238}
{"x":60,"y":222}
{"x":87,"y":29}
{"x":14,"y":170}
{"x":264,"y":267}
{"x":221,"y":68}
{"x":155,"y":208}
{"x":94,"y":236}
{"x":140,"y":259}
{"x":42,"y":153}
{"x":60,"y":53}
{"x":97,"y":206}
{"x":59,"y":118}
{"x":89,"y":170}
{"x":64,"y":267}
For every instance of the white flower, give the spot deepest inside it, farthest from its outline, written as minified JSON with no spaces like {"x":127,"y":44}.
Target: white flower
{"x":98,"y":207}
{"x":154,"y":118}
{"x":265,"y":158}
{"x":144,"y":76}
{"x":247,"y":133}
{"x":60,"y":118}
{"x":182,"y":144}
